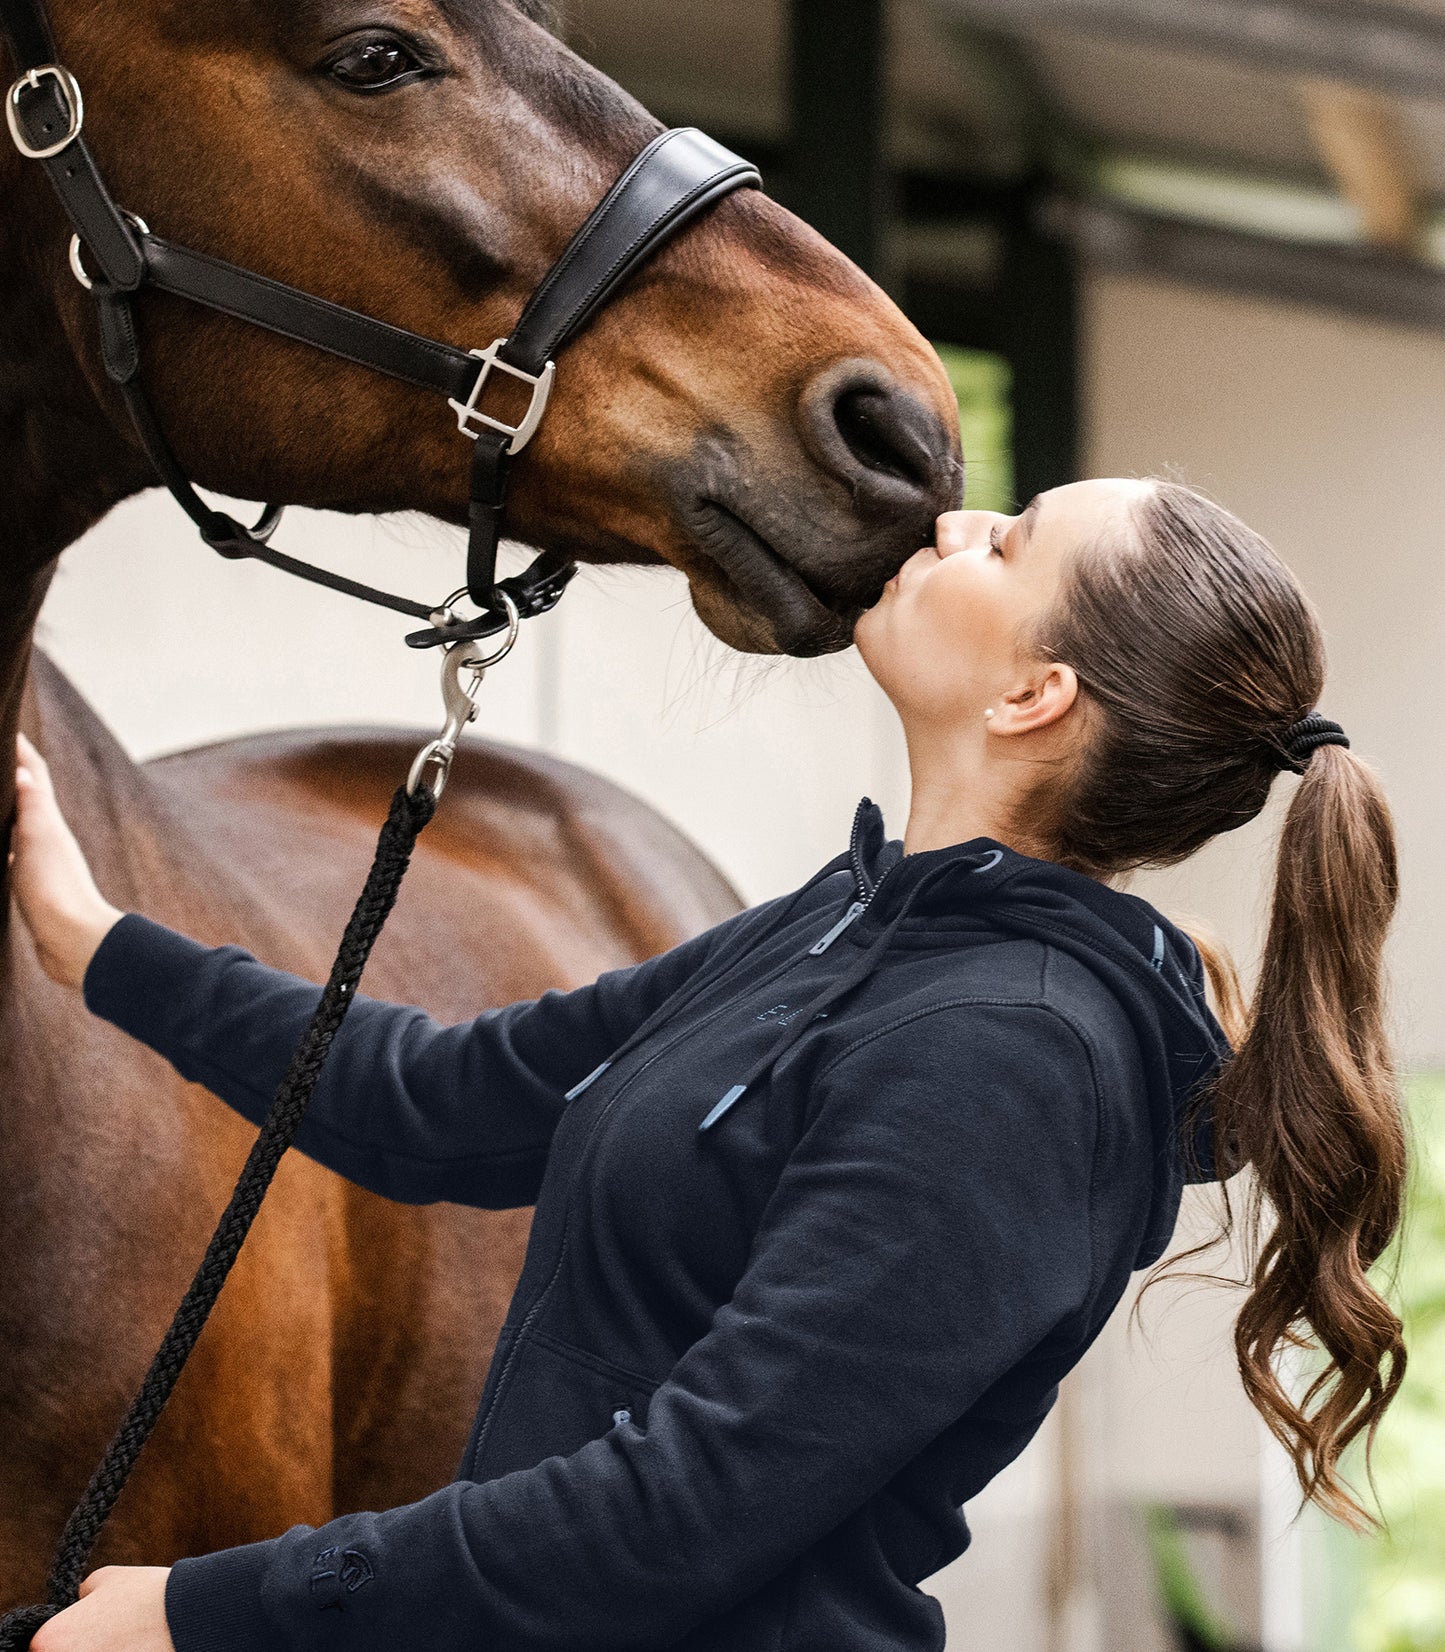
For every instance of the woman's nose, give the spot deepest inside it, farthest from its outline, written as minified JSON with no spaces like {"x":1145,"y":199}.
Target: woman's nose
{"x":952,"y":530}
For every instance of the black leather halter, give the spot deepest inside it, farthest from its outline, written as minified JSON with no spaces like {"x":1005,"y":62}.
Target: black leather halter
{"x":677,"y":176}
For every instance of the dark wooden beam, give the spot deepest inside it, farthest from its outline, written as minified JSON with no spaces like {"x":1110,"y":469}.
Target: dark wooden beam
{"x":1392,"y":48}
{"x":1037,"y":318}
{"x":1028,"y":314}
{"x":837,"y":177}
{"x":1359,"y":280}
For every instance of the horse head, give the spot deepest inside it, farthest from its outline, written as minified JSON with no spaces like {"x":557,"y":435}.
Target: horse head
{"x":751,"y":409}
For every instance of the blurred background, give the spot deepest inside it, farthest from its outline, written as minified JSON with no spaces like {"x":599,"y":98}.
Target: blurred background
{"x":1203,"y":236}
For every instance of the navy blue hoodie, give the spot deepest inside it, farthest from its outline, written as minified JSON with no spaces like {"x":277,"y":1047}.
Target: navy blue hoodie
{"x":828,"y":1199}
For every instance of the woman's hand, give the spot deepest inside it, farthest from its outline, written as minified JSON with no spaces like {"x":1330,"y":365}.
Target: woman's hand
{"x":67,"y":916}
{"x":121,"y":1609}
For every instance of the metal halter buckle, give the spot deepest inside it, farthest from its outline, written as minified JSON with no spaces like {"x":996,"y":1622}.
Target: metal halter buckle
{"x":74,"y":106}
{"x":541,"y":384}
{"x":77,"y":268}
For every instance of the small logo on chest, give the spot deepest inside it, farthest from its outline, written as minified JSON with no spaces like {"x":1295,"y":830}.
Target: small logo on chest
{"x":782,"y":1014}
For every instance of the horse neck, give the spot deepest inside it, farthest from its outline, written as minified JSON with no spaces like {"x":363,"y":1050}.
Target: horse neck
{"x":67,"y":457}
{"x":63,"y":463}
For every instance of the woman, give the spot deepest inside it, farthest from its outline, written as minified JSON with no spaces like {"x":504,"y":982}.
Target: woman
{"x":830,"y":1197}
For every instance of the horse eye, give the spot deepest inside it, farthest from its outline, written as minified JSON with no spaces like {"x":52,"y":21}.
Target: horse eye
{"x":375,"y":65}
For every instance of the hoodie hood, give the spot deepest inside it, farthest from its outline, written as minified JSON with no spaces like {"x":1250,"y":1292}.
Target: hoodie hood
{"x":1148,"y":963}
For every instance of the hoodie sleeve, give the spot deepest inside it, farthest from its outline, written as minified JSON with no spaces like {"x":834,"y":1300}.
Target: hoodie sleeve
{"x":930,"y":1230}
{"x":411,"y":1109}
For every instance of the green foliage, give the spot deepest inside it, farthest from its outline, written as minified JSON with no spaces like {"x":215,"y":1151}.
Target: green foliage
{"x":983,"y":384}
{"x":1403,"y":1584}
{"x":1178,"y":1585}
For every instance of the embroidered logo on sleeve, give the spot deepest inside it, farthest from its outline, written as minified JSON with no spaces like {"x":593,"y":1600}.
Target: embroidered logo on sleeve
{"x":338,"y":1572}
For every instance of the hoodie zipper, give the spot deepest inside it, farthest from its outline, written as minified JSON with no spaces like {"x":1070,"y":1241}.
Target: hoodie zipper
{"x":855,"y":854}
{"x":865,"y":896}
{"x":857,"y":910}
{"x":851,"y":916}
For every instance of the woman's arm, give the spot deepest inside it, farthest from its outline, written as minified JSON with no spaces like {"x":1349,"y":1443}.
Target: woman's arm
{"x":406,"y":1107}
{"x":931,"y":1229}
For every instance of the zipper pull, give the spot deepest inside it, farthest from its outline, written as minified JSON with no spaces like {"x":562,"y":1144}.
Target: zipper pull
{"x":822,"y":946}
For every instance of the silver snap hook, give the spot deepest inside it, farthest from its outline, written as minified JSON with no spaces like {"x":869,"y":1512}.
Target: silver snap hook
{"x":458,"y":697}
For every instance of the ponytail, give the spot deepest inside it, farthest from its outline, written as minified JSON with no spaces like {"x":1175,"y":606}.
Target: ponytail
{"x":1311,"y":1101}
{"x":1180,"y":744}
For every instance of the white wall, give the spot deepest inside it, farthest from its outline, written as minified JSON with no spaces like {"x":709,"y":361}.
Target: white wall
{"x":1324,"y":433}
{"x":762,"y":761}
{"x":1328,"y":435}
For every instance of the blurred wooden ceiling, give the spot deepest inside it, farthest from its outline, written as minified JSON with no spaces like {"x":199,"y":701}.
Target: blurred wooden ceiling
{"x":1319,"y":124}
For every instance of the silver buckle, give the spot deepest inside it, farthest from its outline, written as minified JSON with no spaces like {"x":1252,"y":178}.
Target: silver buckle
{"x":74,"y":104}
{"x":541,"y":384}
{"x":77,"y":268}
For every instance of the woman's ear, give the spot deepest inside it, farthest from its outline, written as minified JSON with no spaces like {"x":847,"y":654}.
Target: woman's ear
{"x":1039,"y":700}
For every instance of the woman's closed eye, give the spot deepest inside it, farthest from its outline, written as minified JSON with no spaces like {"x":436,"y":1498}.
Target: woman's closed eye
{"x":994,"y":536}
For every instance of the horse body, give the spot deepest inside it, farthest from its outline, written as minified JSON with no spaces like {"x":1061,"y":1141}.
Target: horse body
{"x":346,"y":1355}
{"x":751,"y":410}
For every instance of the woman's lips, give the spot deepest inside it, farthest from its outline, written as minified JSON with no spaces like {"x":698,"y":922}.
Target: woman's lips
{"x":897,"y":581}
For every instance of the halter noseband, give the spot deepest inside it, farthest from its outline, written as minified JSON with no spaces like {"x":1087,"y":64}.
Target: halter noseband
{"x":677,"y":176}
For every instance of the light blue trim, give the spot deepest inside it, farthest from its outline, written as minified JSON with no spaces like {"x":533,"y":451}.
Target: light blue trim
{"x":1158,"y":959}
{"x":577,"y":1089}
{"x":722,"y":1107}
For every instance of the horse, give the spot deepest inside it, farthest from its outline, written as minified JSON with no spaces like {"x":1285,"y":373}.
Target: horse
{"x":751,"y":410}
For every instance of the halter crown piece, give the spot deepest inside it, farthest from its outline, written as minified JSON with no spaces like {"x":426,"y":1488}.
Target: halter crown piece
{"x":113,"y":254}
{"x":1300,"y":739}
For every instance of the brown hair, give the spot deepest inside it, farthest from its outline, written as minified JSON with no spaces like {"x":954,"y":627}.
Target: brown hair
{"x":1195,"y":650}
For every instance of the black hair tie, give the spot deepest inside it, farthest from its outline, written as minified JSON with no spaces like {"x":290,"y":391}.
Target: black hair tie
{"x":1300,"y":739}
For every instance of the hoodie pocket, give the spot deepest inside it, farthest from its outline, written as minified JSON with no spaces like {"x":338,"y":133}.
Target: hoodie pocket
{"x":467,"y":1470}
{"x":557,"y":1398}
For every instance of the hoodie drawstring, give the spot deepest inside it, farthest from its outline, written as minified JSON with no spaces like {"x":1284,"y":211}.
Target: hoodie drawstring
{"x":853,"y":976}
{"x":696,"y":984}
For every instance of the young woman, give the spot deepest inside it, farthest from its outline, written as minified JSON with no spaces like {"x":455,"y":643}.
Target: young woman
{"x":830,"y":1198}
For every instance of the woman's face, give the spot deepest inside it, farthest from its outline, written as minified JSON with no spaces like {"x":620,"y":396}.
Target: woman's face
{"x":949,"y":636}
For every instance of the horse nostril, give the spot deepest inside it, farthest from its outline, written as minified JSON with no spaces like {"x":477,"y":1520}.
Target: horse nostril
{"x":881,"y":439}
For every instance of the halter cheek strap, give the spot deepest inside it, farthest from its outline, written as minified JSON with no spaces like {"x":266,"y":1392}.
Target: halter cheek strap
{"x":679,"y":175}
{"x":113,"y":254}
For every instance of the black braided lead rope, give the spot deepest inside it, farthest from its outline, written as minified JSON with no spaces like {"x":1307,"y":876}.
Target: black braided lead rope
{"x":408,"y":815}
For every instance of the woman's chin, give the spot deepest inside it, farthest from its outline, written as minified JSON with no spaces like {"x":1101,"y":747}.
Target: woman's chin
{"x":870,"y":635}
